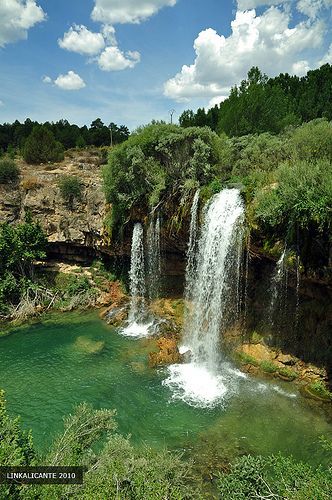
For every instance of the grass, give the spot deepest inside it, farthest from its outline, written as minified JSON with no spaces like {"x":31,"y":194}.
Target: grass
{"x":287,"y":373}
{"x":319,"y":389}
{"x":268,"y":367}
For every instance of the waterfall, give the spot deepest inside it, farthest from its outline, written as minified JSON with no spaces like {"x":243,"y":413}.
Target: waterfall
{"x":213,"y":290}
{"x":137,"y":325}
{"x":278,"y":291}
{"x":192,"y":245}
{"x":214,"y":285}
{"x":154,"y":258}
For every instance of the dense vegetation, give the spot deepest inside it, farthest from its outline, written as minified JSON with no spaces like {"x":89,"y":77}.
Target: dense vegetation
{"x":115,"y":469}
{"x":161,"y":159}
{"x":286,"y":179}
{"x":9,"y":171}
{"x":20,"y":246}
{"x":261,"y":104}
{"x":14,"y":136}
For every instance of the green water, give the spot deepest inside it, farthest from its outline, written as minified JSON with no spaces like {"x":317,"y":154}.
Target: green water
{"x":45,"y":371}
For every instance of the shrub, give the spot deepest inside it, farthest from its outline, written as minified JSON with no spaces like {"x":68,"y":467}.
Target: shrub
{"x":31,"y":183}
{"x":274,"y":477}
{"x":160,"y":160}
{"x":313,"y":140}
{"x":9,"y":171}
{"x":301,"y":196}
{"x":41,"y":146}
{"x":70,"y":189}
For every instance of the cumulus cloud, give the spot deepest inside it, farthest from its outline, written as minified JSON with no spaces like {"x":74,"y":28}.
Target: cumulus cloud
{"x":311,"y":8}
{"x":266,"y":41}
{"x":327,"y":58}
{"x":70,"y":81}
{"x":253,"y":4}
{"x":79,"y":39}
{"x":113,"y":59}
{"x":47,"y":79}
{"x":127,"y":11}
{"x":16,"y":18}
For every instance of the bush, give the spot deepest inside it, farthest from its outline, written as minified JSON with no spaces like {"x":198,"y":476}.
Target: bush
{"x":313,"y":140}
{"x":9,"y":171}
{"x":70,"y":189}
{"x":274,"y":477}
{"x":41,"y":146}
{"x":31,"y":183}
{"x":301,"y":196}
{"x":161,"y":160}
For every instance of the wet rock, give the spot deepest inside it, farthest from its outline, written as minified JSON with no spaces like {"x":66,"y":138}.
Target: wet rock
{"x":88,"y":346}
{"x":286,"y":359}
{"x":168,"y":353}
{"x":257,"y":351}
{"x":115,"y":316}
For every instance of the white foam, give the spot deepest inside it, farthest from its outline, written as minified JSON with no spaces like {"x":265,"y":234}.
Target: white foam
{"x":136,"y":330}
{"x":278,"y":389}
{"x":196,"y":385}
{"x":183,"y":349}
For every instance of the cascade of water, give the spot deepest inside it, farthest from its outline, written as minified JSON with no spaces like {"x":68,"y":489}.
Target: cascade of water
{"x":212,"y":291}
{"x":246,"y":277}
{"x":297,"y":312}
{"x":192,"y":245}
{"x":137,"y":325}
{"x":279,"y":285}
{"x":213,"y":286}
{"x":154,"y":258}
{"x":137,"y":276}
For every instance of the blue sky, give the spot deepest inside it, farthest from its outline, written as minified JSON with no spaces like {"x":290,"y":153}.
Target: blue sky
{"x":131,"y":61}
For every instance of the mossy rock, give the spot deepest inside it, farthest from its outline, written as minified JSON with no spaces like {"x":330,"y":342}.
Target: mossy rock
{"x":317,"y":391}
{"x":88,"y":346}
{"x":287,"y":375}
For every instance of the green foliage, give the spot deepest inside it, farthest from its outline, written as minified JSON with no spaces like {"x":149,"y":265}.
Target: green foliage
{"x":70,"y":189}
{"x":246,"y":359}
{"x":9,"y":171}
{"x":260,"y":104}
{"x":71,"y":284}
{"x":268,"y":367}
{"x":319,"y":389}
{"x":41,"y":146}
{"x":16,"y":446}
{"x":301,"y":196}
{"x":160,"y":159}
{"x":313,"y":141}
{"x":20,"y":245}
{"x":288,"y":373}
{"x":274,"y":477}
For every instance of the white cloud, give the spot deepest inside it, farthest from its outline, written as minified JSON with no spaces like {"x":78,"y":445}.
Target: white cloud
{"x":216,"y":100}
{"x":311,"y":8}
{"x":253,"y":4}
{"x":16,"y":18}
{"x":265,"y":41}
{"x":1,"y":103}
{"x":327,"y":58}
{"x":127,"y":11}
{"x":113,"y":59}
{"x":80,"y":39}
{"x":47,"y":79}
{"x":70,"y":81}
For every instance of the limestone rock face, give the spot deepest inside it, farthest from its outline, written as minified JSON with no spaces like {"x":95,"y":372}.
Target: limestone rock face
{"x":38,"y":192}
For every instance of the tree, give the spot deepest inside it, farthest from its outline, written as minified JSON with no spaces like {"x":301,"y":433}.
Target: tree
{"x":9,"y":171}
{"x":41,"y":147}
{"x":70,"y":189}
